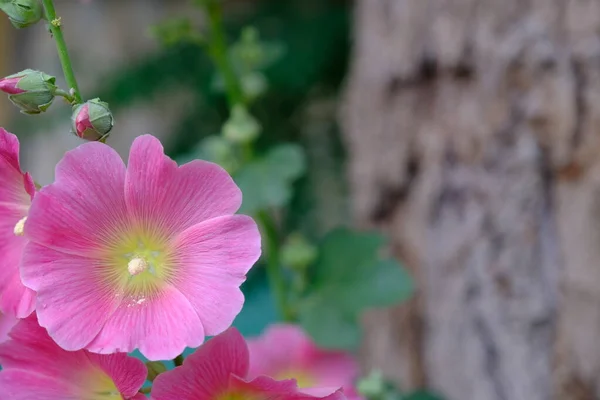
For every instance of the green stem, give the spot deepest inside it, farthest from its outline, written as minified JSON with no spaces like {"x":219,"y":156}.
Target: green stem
{"x":218,"y":51}
{"x":276,"y":279}
{"x":145,"y":390}
{"x":67,"y":96}
{"x":61,"y":46}
{"x":217,"y":47}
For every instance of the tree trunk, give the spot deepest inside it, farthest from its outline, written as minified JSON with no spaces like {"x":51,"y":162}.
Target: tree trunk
{"x":473,"y":131}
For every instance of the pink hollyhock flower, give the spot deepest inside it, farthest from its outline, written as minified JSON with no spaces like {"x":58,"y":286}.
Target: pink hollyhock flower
{"x":16,"y":191}
{"x":218,"y":371}
{"x":150,"y":257}
{"x":34,"y":367}
{"x":285,"y":351}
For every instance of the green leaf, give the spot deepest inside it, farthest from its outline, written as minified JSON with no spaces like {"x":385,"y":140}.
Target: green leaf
{"x":268,"y":182}
{"x":288,"y":161}
{"x":327,"y":325}
{"x":350,"y":276}
{"x":422,"y":395}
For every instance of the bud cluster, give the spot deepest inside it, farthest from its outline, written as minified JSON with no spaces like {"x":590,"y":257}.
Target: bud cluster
{"x":34,"y":91}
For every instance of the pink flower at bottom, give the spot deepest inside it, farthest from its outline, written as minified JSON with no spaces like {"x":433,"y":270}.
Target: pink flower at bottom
{"x":34,"y":367}
{"x":16,"y":191}
{"x":218,"y":371}
{"x":286,"y":351}
{"x":147,"y":257}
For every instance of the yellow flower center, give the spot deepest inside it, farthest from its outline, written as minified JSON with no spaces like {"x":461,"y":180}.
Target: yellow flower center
{"x":138,"y":262}
{"x":101,"y":387}
{"x":303,"y":378}
{"x":20,"y":227}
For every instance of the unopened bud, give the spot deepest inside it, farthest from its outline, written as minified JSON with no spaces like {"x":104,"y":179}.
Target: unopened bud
{"x":31,"y":91}
{"x":297,"y":252}
{"x":22,"y":13}
{"x":241,"y":127}
{"x":92,"y":120}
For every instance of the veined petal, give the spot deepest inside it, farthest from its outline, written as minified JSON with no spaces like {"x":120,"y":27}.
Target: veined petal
{"x":175,"y":198}
{"x":74,"y":299}
{"x":34,"y":367}
{"x":84,"y":209}
{"x":160,"y":324}
{"x":211,"y":260}
{"x":206,"y":373}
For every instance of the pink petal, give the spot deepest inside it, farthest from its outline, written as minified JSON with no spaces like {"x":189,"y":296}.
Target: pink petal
{"x":286,"y":348}
{"x":73,"y":301}
{"x":206,"y":373}
{"x":15,"y":298}
{"x":9,"y":166}
{"x":280,"y":348}
{"x":268,"y":388}
{"x":34,"y":367}
{"x":28,"y":385}
{"x":212,"y":260}
{"x":83,"y":209}
{"x":177,"y":198}
{"x":161,"y":326}
{"x":7,"y":322}
{"x":16,"y":191}
{"x":128,"y":373}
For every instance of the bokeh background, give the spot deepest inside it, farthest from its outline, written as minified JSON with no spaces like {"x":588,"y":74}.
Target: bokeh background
{"x":468,"y":131}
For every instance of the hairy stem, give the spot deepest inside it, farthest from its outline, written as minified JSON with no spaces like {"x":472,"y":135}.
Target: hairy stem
{"x":63,"y":53}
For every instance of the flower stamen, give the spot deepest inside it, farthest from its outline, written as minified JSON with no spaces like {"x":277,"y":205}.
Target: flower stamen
{"x":20,"y":227}
{"x":137,"y":265}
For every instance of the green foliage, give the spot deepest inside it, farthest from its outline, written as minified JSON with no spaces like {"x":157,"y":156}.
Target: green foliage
{"x":155,"y":368}
{"x":267,"y":182}
{"x":376,"y":387}
{"x":349,"y":277}
{"x":174,"y":31}
{"x":422,"y":395}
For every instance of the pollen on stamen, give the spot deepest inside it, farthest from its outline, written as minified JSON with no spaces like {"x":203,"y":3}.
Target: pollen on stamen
{"x":20,"y":227}
{"x":137,"y":266}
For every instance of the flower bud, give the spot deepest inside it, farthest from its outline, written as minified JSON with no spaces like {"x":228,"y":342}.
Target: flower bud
{"x":31,"y":91}
{"x":241,"y":127}
{"x":92,"y":120}
{"x":22,"y":13}
{"x":297,"y":253}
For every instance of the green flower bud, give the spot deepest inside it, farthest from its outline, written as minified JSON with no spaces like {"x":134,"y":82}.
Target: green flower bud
{"x":92,"y":120}
{"x":155,"y":368}
{"x":23,"y":13}
{"x":254,"y":85}
{"x":297,"y":252}
{"x":241,"y":127}
{"x":31,"y":91}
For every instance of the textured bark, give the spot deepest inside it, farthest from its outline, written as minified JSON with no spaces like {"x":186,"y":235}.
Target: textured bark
{"x":473,"y":130}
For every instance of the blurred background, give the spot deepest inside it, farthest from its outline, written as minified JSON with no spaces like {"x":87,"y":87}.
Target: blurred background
{"x":468,"y":131}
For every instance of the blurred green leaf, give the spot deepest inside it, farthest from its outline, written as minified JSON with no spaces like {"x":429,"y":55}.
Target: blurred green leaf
{"x":174,"y":31}
{"x":267,"y":182}
{"x":349,"y":277}
{"x":422,"y":395}
{"x":329,"y":326}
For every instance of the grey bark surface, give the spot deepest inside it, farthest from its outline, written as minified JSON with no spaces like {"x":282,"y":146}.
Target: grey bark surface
{"x":473,"y":131}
